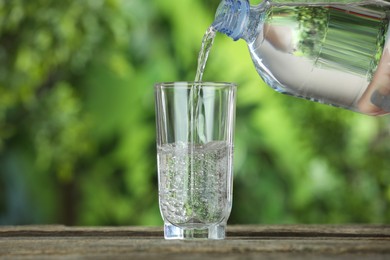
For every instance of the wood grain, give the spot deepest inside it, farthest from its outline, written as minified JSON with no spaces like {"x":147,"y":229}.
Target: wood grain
{"x":243,"y":242}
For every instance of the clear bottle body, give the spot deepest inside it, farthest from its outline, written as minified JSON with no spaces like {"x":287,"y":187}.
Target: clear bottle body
{"x":333,"y":54}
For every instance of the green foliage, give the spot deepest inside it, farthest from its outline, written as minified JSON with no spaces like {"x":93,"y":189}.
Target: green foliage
{"x":77,"y":129}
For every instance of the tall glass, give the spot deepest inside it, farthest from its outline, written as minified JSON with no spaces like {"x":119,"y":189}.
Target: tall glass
{"x":195,"y":127}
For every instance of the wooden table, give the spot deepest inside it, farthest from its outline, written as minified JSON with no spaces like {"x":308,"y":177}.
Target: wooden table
{"x":243,"y":242}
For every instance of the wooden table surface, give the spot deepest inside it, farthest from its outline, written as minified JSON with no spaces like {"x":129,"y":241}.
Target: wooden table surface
{"x":242,"y":242}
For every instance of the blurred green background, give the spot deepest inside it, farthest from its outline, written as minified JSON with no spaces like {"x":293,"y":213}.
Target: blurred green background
{"x":77,"y":127}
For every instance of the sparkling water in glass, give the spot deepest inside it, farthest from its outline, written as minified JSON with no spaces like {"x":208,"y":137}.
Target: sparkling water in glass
{"x":195,"y":126}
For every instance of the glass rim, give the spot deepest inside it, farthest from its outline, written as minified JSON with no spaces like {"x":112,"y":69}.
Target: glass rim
{"x":186,"y":84}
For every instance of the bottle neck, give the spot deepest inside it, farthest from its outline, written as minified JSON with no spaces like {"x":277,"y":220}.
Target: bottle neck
{"x":238,"y":20}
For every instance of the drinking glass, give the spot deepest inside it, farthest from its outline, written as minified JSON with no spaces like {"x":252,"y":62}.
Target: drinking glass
{"x":195,"y":130}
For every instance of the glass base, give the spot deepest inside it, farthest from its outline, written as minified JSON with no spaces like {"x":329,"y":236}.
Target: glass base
{"x":212,"y":232}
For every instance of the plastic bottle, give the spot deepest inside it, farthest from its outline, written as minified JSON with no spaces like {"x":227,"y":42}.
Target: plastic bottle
{"x":332,"y":52}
